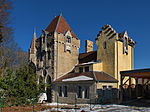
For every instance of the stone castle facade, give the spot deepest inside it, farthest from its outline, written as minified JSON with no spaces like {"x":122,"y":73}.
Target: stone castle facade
{"x":58,"y":62}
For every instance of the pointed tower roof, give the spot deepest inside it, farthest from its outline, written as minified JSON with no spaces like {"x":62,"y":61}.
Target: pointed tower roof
{"x":59,"y":24}
{"x":32,"y":47}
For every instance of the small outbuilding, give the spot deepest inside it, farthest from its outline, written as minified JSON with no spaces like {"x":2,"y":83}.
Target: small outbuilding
{"x":86,"y":87}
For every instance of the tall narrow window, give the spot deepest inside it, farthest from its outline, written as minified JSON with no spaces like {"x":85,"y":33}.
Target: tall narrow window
{"x":79,"y":92}
{"x":86,"y":92}
{"x":105,"y":45}
{"x":65,"y":91}
{"x":60,"y":91}
{"x":41,"y":57}
{"x":86,"y":69}
{"x":80,"y":69}
{"x":68,"y":39}
{"x":68,"y":44}
{"x":48,"y":55}
{"x":126,"y":45}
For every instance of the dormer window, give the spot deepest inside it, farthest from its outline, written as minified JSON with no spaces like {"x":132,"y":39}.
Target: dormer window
{"x":68,"y":44}
{"x":68,"y":40}
{"x":126,"y":45}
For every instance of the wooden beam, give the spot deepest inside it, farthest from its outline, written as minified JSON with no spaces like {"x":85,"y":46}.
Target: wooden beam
{"x":126,"y":81}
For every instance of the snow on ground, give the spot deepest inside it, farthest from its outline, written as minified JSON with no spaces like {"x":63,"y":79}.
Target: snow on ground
{"x":54,"y":104}
{"x":104,"y":108}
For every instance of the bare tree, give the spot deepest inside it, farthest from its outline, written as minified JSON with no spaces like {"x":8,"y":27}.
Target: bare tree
{"x":9,"y":57}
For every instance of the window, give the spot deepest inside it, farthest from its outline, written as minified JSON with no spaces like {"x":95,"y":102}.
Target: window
{"x":86,"y":93}
{"x":60,"y":91}
{"x":80,"y":69}
{"x":41,"y":57}
{"x":104,"y":45}
{"x":79,"y":92}
{"x":86,"y":69}
{"x":126,"y":45}
{"x":67,"y":46}
{"x":104,"y":87}
{"x":109,"y":87}
{"x":68,"y":39}
{"x":44,"y":72}
{"x":65,"y":91}
{"x":48,"y":55}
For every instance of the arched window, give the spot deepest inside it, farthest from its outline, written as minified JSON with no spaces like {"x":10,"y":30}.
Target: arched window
{"x":44,"y":72}
{"x":48,"y":80}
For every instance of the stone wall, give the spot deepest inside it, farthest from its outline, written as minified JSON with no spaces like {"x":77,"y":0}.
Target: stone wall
{"x":72,"y":92}
{"x":64,"y":60}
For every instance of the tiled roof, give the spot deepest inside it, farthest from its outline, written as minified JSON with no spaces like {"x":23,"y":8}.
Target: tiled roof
{"x":59,"y":24}
{"x":52,"y":26}
{"x":87,"y":57}
{"x":104,"y":77}
{"x":97,"y":76}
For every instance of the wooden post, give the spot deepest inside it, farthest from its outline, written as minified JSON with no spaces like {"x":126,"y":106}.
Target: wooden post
{"x":129,"y":87}
{"x":121,"y":89}
{"x":136,"y":87}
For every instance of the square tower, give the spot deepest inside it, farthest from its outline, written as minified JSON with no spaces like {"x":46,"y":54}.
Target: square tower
{"x":115,"y":50}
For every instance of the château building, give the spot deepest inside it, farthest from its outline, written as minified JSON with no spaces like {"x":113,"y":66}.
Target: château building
{"x":85,"y":76}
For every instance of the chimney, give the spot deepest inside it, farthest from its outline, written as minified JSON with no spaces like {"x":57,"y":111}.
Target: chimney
{"x":88,"y":46}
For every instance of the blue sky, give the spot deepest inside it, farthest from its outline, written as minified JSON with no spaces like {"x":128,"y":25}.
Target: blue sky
{"x":86,"y":17}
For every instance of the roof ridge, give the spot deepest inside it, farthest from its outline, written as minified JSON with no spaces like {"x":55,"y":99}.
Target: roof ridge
{"x":58,"y":22}
{"x":94,"y":75}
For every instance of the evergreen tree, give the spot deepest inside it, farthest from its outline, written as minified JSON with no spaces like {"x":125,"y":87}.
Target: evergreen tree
{"x":21,"y":87}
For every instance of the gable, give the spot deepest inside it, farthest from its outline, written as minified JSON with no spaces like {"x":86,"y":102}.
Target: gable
{"x":59,"y":25}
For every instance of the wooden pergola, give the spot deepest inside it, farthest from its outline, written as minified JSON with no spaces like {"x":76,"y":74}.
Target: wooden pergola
{"x":138,"y":73}
{"x":126,"y":76}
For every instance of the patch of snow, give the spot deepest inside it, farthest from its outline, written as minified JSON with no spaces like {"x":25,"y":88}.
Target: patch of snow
{"x":91,"y":62}
{"x":98,"y":108}
{"x":54,"y":104}
{"x":79,"y":78}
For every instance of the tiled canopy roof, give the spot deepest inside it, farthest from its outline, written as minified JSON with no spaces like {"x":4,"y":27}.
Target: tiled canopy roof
{"x":59,"y":24}
{"x":97,"y":76}
{"x":87,"y":57}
